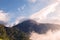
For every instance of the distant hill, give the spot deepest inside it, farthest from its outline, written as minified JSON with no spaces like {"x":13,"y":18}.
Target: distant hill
{"x":30,"y":25}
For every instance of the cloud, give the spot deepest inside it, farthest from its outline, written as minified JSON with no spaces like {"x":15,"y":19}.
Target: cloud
{"x":22,"y":8}
{"x":4,"y":16}
{"x":48,"y":36}
{"x":47,"y":1}
{"x":19,"y":19}
{"x":32,"y":1}
{"x":47,"y":14}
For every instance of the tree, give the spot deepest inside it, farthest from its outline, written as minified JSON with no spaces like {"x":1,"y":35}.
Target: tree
{"x":12,"y":34}
{"x":16,"y":34}
{"x":3,"y":35}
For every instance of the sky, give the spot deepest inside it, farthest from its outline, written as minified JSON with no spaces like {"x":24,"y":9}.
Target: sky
{"x":49,"y":14}
{"x":13,"y":11}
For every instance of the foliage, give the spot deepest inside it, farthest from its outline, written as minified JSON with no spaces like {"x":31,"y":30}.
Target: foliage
{"x":3,"y":35}
{"x":12,"y":34}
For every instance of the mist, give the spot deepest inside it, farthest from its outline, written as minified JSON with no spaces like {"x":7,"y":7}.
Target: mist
{"x":48,"y":36}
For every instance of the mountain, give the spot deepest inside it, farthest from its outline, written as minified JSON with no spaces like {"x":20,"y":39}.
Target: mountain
{"x":28,"y":29}
{"x":29,"y":26}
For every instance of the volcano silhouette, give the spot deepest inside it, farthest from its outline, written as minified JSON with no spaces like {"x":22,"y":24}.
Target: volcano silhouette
{"x":30,"y":25}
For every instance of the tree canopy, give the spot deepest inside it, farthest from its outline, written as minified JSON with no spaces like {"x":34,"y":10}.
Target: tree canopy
{"x":12,"y":34}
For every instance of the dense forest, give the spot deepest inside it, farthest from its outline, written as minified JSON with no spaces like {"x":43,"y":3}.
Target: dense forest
{"x":12,"y":33}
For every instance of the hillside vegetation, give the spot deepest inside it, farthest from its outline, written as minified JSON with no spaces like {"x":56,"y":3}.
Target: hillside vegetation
{"x":12,"y":34}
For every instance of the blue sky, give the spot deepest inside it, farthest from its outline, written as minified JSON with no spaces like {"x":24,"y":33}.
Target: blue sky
{"x":16,"y":9}
{"x":26,"y":7}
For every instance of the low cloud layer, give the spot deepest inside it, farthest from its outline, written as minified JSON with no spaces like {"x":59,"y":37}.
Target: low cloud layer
{"x":48,"y":36}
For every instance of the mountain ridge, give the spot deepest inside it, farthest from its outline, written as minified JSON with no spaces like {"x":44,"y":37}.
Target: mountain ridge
{"x":30,"y":25}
